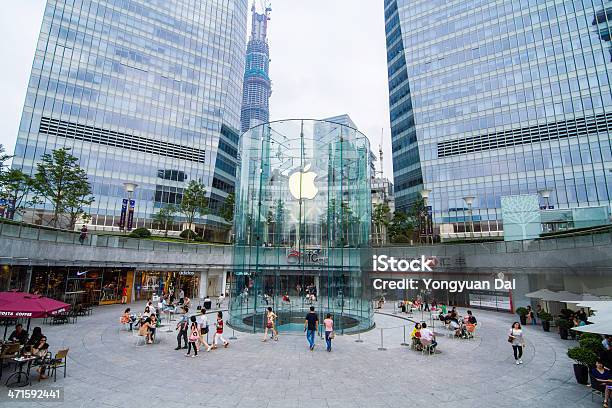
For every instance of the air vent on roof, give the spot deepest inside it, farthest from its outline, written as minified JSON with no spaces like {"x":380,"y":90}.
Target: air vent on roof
{"x":105,"y":137}
{"x":532,"y":134}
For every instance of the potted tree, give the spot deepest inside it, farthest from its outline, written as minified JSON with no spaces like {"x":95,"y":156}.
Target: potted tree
{"x":583,"y":360}
{"x":522,"y":312}
{"x":563,"y":325}
{"x":546,"y":318}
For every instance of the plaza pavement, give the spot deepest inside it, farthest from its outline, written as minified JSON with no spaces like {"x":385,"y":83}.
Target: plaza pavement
{"x":106,"y":368}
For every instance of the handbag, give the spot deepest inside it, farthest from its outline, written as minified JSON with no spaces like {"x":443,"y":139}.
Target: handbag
{"x":194,"y":336}
{"x":332,"y":335}
{"x":510,"y":339}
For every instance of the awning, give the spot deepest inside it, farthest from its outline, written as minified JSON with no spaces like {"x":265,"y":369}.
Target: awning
{"x":26,"y":305}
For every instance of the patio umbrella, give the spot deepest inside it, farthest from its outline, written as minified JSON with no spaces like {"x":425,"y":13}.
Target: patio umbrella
{"x":543,"y":294}
{"x":14,"y":305}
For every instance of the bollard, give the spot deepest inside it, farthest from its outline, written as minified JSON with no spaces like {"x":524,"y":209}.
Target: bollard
{"x":404,"y":343}
{"x":382,"y":345}
{"x":233,"y":337}
{"x":359,"y":338}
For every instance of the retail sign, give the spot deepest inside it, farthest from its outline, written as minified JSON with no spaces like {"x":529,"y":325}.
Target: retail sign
{"x":307,"y":256}
{"x":187,"y":273}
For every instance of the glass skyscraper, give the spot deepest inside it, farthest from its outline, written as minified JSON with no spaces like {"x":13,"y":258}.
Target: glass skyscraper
{"x":496,"y":98}
{"x":141,"y":91}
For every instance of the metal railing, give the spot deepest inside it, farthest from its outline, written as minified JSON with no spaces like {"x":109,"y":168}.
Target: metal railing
{"x":40,"y":233}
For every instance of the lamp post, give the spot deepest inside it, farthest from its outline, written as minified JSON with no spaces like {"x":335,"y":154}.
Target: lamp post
{"x":469,"y":200}
{"x":545,"y":194}
{"x":129,"y":189}
{"x":425,"y":195}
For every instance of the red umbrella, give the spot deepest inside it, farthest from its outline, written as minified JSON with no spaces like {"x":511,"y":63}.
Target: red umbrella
{"x":20,"y":304}
{"x":14,"y":305}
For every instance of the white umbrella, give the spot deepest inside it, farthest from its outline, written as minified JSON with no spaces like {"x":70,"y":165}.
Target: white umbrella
{"x":568,"y":297}
{"x":543,"y":294}
{"x":603,"y":326}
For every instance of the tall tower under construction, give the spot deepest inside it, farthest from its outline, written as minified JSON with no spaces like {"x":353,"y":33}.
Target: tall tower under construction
{"x":257,"y":86}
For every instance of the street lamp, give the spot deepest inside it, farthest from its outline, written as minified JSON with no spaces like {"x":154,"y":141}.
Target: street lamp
{"x":425,"y":196}
{"x":469,"y":200}
{"x":545,"y":194}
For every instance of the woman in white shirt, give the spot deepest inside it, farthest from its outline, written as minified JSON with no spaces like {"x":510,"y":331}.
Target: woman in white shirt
{"x":203,"y":324}
{"x":516,"y":337}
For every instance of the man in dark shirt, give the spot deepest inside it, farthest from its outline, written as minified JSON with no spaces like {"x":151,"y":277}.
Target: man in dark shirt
{"x":471,"y":318}
{"x":310,"y":326}
{"x":19,"y":334}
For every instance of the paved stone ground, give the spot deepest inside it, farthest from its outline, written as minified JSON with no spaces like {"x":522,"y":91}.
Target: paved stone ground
{"x":106,"y":368}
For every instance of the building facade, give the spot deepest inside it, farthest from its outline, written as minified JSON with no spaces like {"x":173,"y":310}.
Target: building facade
{"x":145,"y":92}
{"x":502,"y":98}
{"x":257,"y":85}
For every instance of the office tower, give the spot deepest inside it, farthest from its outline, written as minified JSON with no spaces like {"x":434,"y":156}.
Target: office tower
{"x":497,"y":98}
{"x":141,"y":91}
{"x":257,"y":87}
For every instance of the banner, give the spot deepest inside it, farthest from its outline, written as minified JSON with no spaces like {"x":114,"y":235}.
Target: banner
{"x":130,"y":220}
{"x":123,"y":212}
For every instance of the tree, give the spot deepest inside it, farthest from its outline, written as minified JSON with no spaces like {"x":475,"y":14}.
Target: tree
{"x":420,"y":218}
{"x":227,"y":209}
{"x":380,"y":217}
{"x":15,"y":187}
{"x":63,"y":183}
{"x":3,"y":158}
{"x":401,"y":228}
{"x":165,"y":217}
{"x":194,"y":202}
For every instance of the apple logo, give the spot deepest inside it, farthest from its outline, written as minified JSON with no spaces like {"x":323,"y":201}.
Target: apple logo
{"x":301,"y":184}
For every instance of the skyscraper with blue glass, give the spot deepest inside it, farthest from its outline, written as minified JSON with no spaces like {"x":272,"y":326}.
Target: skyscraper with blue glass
{"x":141,"y":91}
{"x":257,"y":86}
{"x":497,"y":98}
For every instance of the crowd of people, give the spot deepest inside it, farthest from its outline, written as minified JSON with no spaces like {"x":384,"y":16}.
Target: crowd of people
{"x":34,"y":345}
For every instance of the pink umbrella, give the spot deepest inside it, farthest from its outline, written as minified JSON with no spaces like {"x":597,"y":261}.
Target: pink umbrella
{"x":14,"y":305}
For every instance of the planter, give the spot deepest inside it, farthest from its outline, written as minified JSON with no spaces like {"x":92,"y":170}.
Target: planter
{"x":563,"y":332}
{"x":582,"y":374}
{"x":523,"y":320}
{"x":572,"y":334}
{"x":545,"y":326}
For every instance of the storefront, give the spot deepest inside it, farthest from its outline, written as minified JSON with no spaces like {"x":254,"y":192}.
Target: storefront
{"x":82,"y":285}
{"x":149,"y":283}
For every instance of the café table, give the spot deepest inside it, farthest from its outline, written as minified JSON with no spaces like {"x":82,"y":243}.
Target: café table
{"x":20,"y":362}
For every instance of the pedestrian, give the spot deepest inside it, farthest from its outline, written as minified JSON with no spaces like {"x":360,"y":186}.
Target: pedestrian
{"x":204,"y":328}
{"x":310,"y":326}
{"x":427,"y":334}
{"x":194,"y":335}
{"x":181,"y":296}
{"x":83,"y":234}
{"x":218,"y":333}
{"x":270,"y":318}
{"x":124,"y":295}
{"x":182,"y":327}
{"x":516,"y":337}
{"x":329,"y":331}
{"x":531,"y":317}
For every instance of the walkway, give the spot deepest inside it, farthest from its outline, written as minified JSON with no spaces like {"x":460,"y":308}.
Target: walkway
{"x":106,"y":368}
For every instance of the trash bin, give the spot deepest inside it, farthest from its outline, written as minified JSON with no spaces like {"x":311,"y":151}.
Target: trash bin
{"x":207,"y":304}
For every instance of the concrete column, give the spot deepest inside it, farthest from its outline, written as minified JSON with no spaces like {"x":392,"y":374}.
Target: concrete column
{"x":223,"y":280}
{"x":203,"y":291}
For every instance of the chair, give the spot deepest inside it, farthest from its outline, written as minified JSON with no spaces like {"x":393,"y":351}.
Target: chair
{"x":426,"y":344}
{"x":8,"y":352}
{"x":596,"y":387}
{"x":136,"y":335}
{"x":60,"y":360}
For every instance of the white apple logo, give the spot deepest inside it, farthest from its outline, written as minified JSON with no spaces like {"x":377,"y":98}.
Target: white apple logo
{"x":301,"y":184}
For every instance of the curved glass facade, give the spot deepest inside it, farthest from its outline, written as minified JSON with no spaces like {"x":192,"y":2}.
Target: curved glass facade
{"x":303,"y":209}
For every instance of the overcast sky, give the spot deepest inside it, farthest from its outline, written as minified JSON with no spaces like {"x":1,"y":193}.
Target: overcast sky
{"x":328,"y":58}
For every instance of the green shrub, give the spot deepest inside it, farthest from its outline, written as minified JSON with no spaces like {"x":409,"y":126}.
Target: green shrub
{"x":563,"y":324}
{"x":582,"y":356}
{"x":521,"y":311}
{"x":566,"y":313}
{"x":545,"y":316}
{"x":590,"y":343}
{"x":140,"y":233}
{"x":188,"y":234}
{"x":198,"y":239}
{"x":591,"y":336}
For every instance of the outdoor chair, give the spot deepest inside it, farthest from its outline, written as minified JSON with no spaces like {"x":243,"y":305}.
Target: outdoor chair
{"x":60,"y":360}
{"x":426,"y":347}
{"x":7,"y":353}
{"x":138,"y":337}
{"x":596,"y":387}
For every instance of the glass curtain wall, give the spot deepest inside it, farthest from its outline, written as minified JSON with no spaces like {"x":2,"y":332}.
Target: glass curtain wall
{"x":303,"y":210}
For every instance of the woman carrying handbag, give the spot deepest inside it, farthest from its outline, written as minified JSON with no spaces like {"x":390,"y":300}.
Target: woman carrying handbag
{"x":516,"y":338}
{"x":194,"y":336}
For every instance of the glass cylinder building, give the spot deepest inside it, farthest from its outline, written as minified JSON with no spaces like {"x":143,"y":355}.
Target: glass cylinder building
{"x":303,"y":210}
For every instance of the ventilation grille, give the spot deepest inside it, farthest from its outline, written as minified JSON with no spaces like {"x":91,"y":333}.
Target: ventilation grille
{"x":532,"y":134}
{"x":117,"y":139}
